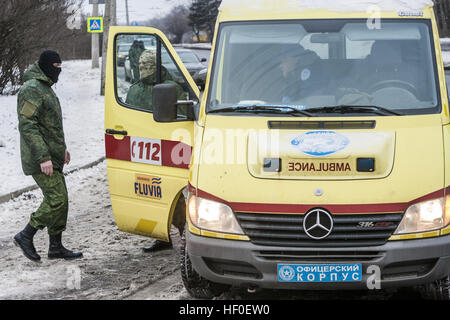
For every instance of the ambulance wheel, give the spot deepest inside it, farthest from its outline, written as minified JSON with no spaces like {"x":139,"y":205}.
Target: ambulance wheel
{"x":196,"y":285}
{"x":437,"y":290}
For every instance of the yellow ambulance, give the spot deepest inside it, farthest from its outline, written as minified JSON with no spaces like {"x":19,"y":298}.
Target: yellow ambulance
{"x":316,"y":158}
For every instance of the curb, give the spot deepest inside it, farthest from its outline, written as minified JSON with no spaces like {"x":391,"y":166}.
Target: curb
{"x":9,"y":196}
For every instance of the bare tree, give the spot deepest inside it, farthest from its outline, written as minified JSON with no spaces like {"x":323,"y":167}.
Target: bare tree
{"x":176,"y":23}
{"x":28,"y":27}
{"x":442,"y":10}
{"x":203,"y":15}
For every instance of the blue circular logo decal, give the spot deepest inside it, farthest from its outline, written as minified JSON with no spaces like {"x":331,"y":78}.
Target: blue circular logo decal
{"x":286,"y":273}
{"x":320,"y":143}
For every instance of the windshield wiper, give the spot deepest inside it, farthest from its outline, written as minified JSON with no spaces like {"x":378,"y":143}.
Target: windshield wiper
{"x":353,"y":109}
{"x":264,"y":109}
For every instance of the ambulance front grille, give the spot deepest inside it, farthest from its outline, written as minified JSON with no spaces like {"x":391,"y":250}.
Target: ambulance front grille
{"x":350,"y":230}
{"x":314,"y":255}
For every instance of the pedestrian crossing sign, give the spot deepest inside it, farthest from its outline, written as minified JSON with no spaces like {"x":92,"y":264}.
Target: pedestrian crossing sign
{"x":95,"y":24}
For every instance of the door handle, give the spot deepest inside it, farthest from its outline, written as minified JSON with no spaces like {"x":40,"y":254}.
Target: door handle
{"x":112,"y":131}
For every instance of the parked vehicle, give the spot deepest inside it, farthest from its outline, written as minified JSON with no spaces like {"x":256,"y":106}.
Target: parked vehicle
{"x":202,"y":74}
{"x":122,"y":53}
{"x":317,"y":158}
{"x":193,"y":64}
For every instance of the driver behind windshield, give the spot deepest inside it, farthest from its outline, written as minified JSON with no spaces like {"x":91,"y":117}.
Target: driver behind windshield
{"x":302,"y":74}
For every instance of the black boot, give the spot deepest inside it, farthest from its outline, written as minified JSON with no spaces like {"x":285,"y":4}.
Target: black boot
{"x":24,"y":240}
{"x":57,"y":251}
{"x":158,"y":245}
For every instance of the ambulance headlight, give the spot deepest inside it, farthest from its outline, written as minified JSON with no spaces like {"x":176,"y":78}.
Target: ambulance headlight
{"x":211,"y":215}
{"x":426,"y":216}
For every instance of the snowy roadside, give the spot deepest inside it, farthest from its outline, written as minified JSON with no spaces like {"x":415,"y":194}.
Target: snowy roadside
{"x":113,"y":265}
{"x":83,"y":115}
{"x":446,"y":58}
{"x":445,"y":45}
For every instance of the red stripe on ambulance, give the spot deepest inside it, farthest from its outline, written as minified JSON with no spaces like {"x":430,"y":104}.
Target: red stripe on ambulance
{"x":149,"y":151}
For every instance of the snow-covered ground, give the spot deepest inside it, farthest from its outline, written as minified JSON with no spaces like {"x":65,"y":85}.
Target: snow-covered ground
{"x":445,"y":45}
{"x":113,"y":264}
{"x":446,"y":58}
{"x":83,"y":113}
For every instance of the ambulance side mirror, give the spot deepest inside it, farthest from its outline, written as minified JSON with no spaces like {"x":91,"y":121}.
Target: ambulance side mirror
{"x":165,"y":104}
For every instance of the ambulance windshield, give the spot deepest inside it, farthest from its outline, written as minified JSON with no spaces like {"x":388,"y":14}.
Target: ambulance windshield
{"x":311,"y":64}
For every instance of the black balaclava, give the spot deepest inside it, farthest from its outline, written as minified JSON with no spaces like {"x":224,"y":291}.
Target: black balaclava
{"x":46,"y":61}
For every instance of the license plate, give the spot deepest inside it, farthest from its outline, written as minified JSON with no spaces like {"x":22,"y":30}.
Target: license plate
{"x":319,"y":272}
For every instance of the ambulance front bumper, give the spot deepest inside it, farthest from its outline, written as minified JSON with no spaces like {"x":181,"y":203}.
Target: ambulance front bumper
{"x":400,"y":263}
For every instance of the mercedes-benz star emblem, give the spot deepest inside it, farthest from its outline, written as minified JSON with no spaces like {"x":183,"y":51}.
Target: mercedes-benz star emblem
{"x":318,"y":224}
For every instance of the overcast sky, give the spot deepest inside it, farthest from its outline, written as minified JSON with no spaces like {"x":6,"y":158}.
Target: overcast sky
{"x":139,"y":10}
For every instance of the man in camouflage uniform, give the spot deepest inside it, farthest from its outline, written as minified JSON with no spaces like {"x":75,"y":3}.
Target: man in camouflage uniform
{"x":140,"y":95}
{"x":134,"y":54}
{"x":44,"y":153}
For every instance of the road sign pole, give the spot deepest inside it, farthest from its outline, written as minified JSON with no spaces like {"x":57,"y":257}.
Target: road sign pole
{"x":95,"y":43}
{"x":108,"y":21}
{"x":128,"y":15}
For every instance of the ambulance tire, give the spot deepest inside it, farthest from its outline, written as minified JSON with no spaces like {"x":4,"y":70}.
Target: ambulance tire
{"x":197,"y":286}
{"x":438,"y":290}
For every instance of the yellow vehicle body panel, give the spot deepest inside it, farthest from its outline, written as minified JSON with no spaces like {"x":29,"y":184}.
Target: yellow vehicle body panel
{"x":231,"y":181}
{"x":414,"y":152}
{"x":142,"y":194}
{"x":415,"y":172}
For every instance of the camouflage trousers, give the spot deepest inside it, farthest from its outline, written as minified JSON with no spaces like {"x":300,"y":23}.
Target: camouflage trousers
{"x":53,"y":210}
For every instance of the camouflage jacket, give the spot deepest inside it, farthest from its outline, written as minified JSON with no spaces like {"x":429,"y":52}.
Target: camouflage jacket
{"x":134,"y":53}
{"x":40,"y":122}
{"x":140,"y":94}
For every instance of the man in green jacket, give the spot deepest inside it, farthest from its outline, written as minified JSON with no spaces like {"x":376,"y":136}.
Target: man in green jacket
{"x":44,"y":153}
{"x":140,"y":93}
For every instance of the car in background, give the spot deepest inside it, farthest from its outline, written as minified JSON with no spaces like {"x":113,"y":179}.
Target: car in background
{"x":190,"y":60}
{"x":122,"y":53}
{"x":202,"y":78}
{"x":194,"y":65}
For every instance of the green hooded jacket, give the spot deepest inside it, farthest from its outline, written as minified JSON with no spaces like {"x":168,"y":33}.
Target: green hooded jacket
{"x":40,"y":123}
{"x":140,"y":93}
